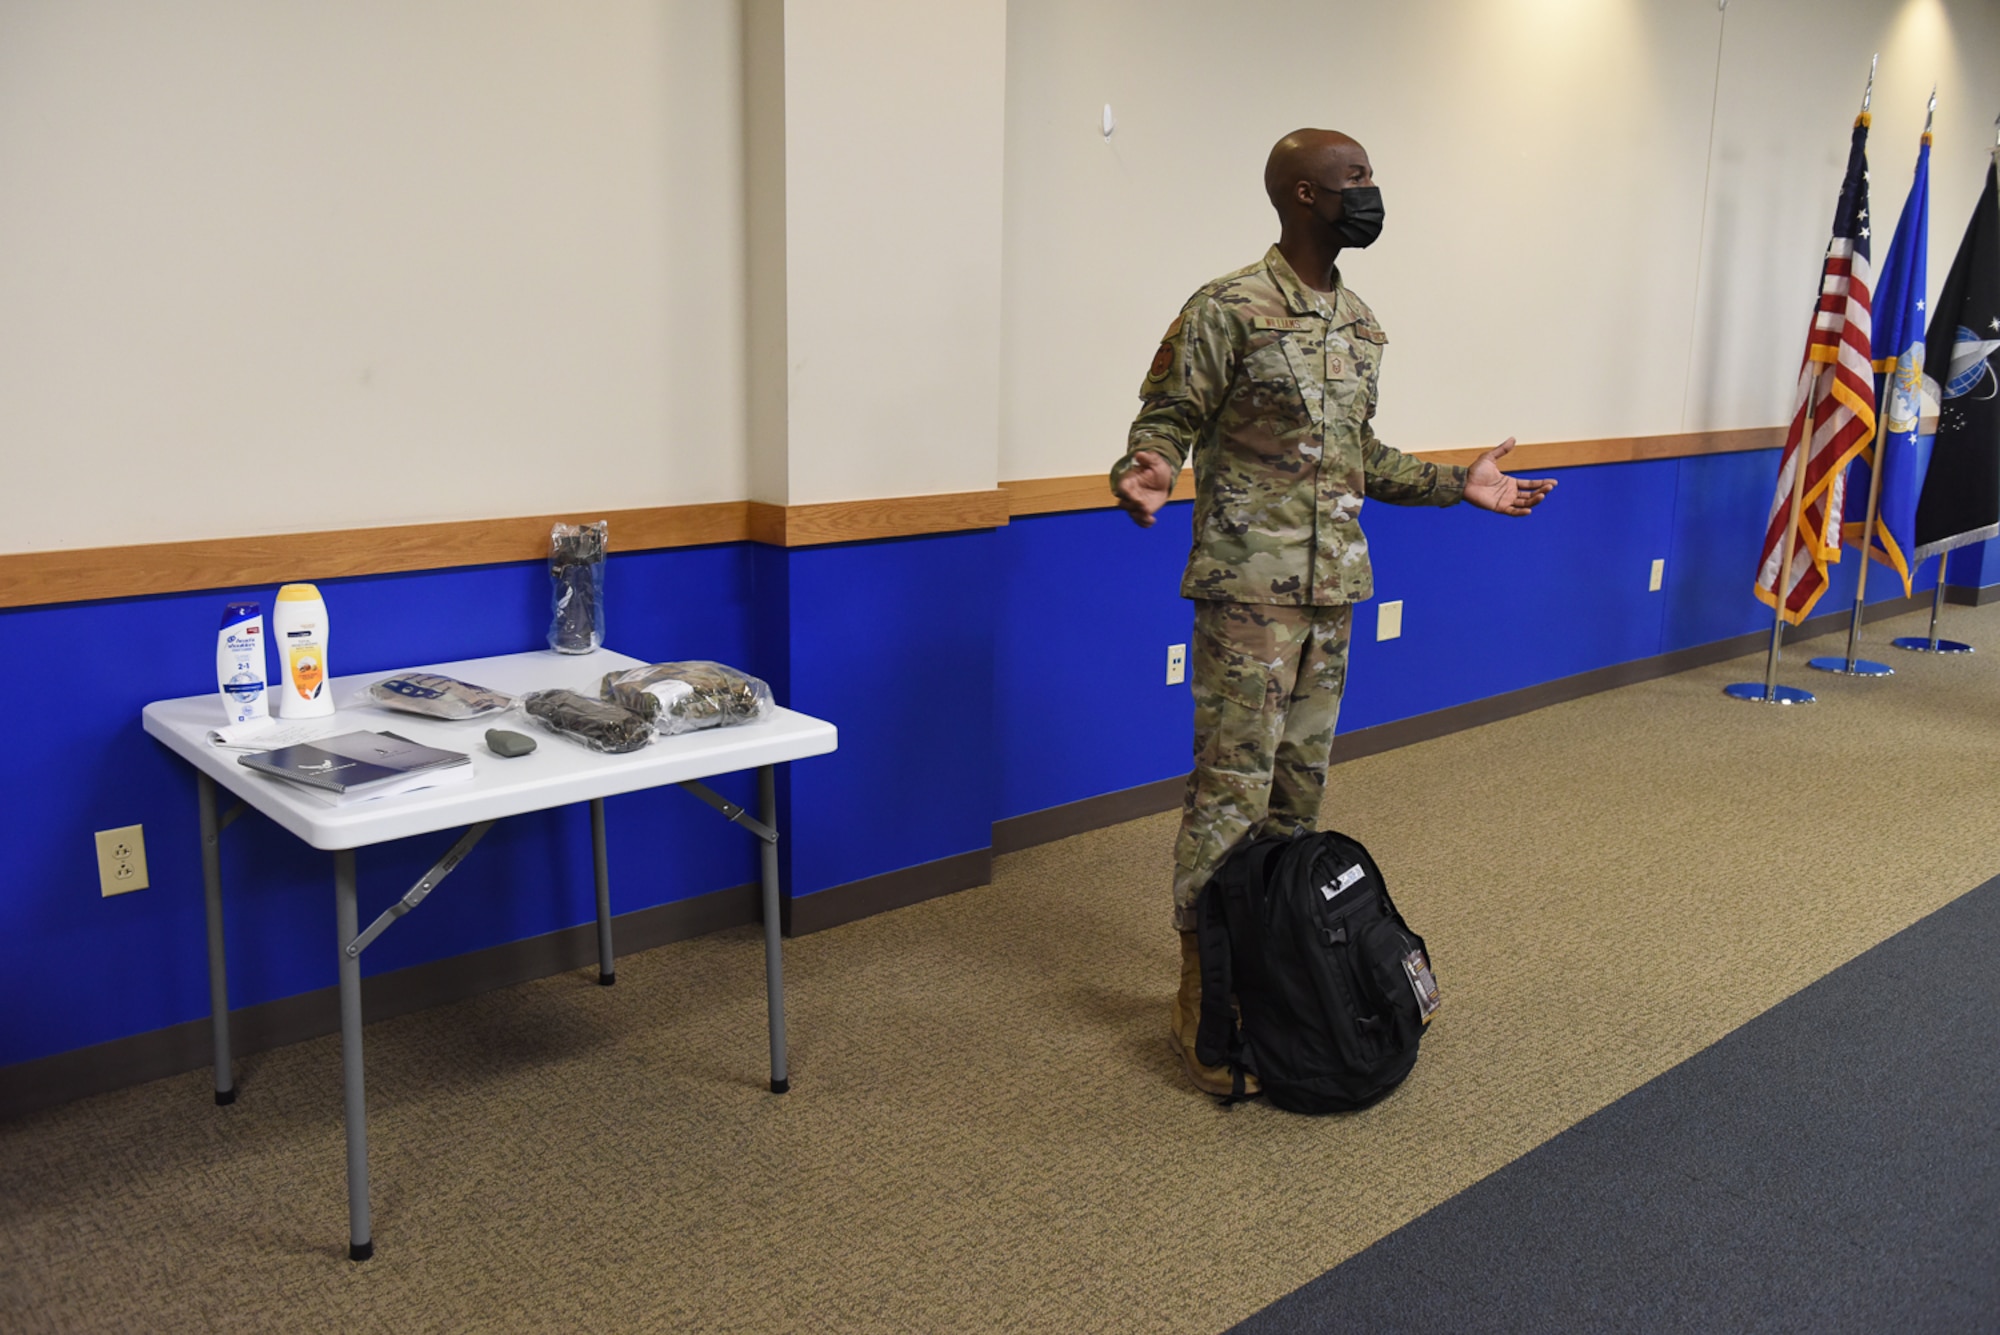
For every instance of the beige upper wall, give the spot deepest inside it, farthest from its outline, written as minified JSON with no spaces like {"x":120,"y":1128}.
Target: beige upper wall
{"x":1544,"y":165}
{"x":1774,"y":180}
{"x":456,"y":258}
{"x":481,"y":257}
{"x":894,"y":114}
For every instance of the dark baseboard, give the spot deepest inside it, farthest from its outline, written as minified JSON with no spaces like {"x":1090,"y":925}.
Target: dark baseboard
{"x":1424,"y":727}
{"x":1040,"y":827}
{"x":28,"y":1086}
{"x":891,"y":890}
{"x":1092,"y":813}
{"x":1966,"y":595}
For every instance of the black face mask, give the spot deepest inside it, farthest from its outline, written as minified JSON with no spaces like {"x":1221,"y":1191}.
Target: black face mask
{"x":1360,"y":215}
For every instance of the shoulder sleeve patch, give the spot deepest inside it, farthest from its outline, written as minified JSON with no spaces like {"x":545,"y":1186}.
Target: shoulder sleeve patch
{"x":1163,"y":362}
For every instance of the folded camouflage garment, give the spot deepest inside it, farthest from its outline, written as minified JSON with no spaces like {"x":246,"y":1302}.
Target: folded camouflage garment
{"x":597,"y":724}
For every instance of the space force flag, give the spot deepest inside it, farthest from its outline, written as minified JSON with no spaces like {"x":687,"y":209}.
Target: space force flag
{"x":1904,"y":394}
{"x":1833,"y":417}
{"x":1961,"y":497}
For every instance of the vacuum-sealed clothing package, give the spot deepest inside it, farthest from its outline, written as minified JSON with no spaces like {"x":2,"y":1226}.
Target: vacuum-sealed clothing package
{"x":687,"y":697}
{"x":600,"y":725}
{"x":436,"y":695}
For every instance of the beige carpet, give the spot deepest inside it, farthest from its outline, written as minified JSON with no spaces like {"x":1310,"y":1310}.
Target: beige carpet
{"x":986,"y":1130}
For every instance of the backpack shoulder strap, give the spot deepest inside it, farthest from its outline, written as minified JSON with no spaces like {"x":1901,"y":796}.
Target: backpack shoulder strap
{"x":1217,"y":1041}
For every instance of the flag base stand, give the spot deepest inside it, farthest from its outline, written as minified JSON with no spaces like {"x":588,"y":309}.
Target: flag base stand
{"x":1757,"y":693}
{"x":1922,"y":644}
{"x":1851,"y":667}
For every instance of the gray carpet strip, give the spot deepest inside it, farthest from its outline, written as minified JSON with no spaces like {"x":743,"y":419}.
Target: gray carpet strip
{"x":1833,"y":1165}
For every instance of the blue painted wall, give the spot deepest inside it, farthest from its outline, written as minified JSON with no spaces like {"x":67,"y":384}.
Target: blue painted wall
{"x":893,"y":642}
{"x":77,"y":969}
{"x":1088,"y":604}
{"x":974,"y":677}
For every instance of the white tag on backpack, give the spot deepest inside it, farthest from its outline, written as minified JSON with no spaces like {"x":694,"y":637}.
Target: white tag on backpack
{"x":1423,"y":982}
{"x":1342,"y":882}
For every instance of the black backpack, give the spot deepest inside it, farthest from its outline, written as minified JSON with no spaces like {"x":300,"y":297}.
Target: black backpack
{"x":1333,"y":986}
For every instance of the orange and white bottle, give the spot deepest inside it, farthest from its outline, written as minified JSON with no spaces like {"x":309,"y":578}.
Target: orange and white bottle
{"x":298,"y":624}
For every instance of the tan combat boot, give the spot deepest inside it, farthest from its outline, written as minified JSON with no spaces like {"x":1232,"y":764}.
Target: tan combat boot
{"x":1187,"y":1019}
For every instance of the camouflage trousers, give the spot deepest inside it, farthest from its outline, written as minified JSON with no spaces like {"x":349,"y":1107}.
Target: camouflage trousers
{"x":1267,"y":683}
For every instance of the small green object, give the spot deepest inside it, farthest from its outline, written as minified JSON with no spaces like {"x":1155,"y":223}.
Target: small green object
{"x":509,"y":744}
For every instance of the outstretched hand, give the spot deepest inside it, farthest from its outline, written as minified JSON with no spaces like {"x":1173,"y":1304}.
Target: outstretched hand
{"x":1144,"y":487}
{"x":1490,"y":489}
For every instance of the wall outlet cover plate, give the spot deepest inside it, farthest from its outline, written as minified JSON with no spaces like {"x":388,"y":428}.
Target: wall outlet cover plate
{"x":121,"y":859}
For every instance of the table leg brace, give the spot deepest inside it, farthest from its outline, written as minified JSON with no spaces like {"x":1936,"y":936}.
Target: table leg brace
{"x":766,"y":831}
{"x":352,"y":947}
{"x":354,"y":1103}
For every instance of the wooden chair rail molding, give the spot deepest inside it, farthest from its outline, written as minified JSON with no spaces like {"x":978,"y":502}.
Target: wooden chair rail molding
{"x":29,"y":579}
{"x":1052,"y":495}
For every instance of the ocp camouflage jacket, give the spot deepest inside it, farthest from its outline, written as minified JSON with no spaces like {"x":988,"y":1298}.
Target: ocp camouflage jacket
{"x":1269,"y":387}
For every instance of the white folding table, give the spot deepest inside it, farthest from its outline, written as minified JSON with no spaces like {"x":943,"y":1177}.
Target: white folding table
{"x":558,"y":773}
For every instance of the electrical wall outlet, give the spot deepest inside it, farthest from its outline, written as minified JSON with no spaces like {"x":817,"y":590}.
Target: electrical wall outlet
{"x":1389,"y":620}
{"x":1659,"y":573}
{"x":121,"y":859}
{"x":1176,"y":664}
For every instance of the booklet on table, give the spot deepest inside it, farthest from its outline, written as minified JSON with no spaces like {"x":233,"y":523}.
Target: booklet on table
{"x":358,"y":766}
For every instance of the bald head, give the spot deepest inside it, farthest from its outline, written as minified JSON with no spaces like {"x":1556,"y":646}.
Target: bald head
{"x":1322,"y":159}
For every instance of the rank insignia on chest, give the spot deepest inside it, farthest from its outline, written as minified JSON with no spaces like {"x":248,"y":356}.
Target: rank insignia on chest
{"x":1335,"y":367}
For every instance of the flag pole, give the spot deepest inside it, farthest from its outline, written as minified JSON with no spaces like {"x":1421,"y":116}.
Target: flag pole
{"x":1852,"y":666}
{"x":1770,"y":693}
{"x":1933,"y":645}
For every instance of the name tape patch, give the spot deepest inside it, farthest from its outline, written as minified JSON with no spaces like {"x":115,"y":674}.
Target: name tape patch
{"x":1343,"y":881}
{"x":1289,"y":326}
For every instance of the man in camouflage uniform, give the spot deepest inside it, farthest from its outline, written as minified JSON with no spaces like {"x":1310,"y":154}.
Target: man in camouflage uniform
{"x":1267,"y":381}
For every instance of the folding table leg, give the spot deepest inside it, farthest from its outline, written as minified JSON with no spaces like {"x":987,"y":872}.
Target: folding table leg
{"x":607,"y":972}
{"x":218,"y":965}
{"x":774,"y":963}
{"x":355,"y":1100}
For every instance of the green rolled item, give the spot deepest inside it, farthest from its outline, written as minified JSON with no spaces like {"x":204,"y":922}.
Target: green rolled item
{"x":597,"y":724}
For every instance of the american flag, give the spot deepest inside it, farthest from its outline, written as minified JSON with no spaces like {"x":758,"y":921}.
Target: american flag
{"x":1837,"y":388}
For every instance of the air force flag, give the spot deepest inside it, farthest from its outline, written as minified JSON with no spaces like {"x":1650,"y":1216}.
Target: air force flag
{"x":1907,"y":398}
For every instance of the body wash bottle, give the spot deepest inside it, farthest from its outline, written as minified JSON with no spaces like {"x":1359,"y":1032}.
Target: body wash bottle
{"x":298,"y":623}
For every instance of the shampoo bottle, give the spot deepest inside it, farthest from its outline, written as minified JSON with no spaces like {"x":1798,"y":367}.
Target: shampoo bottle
{"x":239,"y":663}
{"x":298,"y":622}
